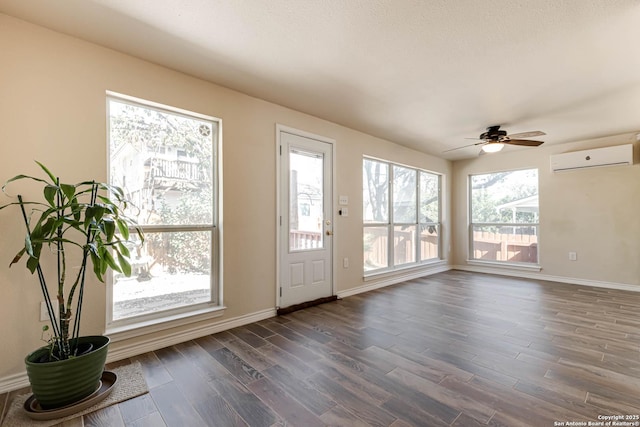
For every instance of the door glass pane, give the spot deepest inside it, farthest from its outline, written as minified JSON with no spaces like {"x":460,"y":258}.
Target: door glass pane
{"x":170,"y":270}
{"x":306,"y":210}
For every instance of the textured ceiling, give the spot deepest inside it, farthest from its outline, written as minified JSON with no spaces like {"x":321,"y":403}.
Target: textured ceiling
{"x":421,"y":73}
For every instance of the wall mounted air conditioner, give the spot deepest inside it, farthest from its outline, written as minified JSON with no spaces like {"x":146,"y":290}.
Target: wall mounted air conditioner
{"x":597,"y":157}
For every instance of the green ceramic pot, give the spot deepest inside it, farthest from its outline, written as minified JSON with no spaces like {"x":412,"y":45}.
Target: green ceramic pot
{"x":64,"y":382}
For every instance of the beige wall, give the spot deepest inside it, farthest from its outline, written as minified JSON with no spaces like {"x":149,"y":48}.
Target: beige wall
{"x":593,"y":212}
{"x":52,"y":109}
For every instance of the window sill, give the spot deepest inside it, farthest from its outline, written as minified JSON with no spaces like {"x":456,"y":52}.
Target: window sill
{"x":428,"y":265}
{"x":505,"y":265}
{"x":149,"y":326}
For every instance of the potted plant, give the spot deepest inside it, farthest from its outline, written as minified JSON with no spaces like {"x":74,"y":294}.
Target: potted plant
{"x":82,"y":223}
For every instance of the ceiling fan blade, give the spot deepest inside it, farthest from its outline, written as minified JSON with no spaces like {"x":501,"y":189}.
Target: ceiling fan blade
{"x":527,"y":134}
{"x":523,"y":142}
{"x":465,"y":146}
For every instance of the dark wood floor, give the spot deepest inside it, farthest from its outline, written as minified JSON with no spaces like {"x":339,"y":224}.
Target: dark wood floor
{"x":454,"y":349}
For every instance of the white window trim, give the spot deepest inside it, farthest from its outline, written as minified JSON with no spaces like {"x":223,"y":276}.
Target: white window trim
{"x":155,"y":322}
{"x":507,"y":265}
{"x":390,"y":224}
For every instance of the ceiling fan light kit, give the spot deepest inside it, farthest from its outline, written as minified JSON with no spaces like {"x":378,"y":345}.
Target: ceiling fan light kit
{"x":494,"y":140}
{"x":492,"y":147}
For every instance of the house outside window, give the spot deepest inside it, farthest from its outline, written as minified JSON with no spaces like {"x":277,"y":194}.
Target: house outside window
{"x":164,"y":159}
{"x":504,"y":217}
{"x":401,"y":216}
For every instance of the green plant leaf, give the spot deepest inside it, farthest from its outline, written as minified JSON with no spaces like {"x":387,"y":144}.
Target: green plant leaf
{"x":111,"y":261}
{"x":76,"y":209}
{"x":44,"y":168}
{"x":109,"y":229}
{"x":96,"y":262}
{"x":125,"y":267}
{"x":89,"y":214}
{"x":19,"y":177}
{"x":50,"y":192}
{"x":68,"y":190}
{"x":32,"y":264}
{"x":123,"y":228}
{"x":123,"y":249}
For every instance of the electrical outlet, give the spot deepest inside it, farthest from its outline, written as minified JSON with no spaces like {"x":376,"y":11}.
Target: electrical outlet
{"x":345,"y":262}
{"x":573,"y":256}
{"x":343,"y":200}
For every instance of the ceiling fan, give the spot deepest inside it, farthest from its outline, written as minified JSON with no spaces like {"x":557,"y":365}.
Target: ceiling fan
{"x":494,"y":140}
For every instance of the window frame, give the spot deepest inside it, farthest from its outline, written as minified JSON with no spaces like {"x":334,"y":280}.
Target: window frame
{"x":390,"y":225}
{"x":471,"y":225}
{"x":195,"y":312}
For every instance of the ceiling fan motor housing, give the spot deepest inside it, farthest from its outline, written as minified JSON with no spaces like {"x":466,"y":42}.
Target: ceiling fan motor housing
{"x":493,"y":133}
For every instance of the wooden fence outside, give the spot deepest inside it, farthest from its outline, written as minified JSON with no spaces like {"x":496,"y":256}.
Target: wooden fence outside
{"x":505,"y":247}
{"x":376,"y":252}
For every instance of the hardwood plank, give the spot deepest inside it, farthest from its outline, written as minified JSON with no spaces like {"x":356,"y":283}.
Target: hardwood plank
{"x":340,"y":417}
{"x":152,"y":420}
{"x":444,"y":396}
{"x":367,"y":411}
{"x":551,"y":392}
{"x":446,"y":369}
{"x":284,"y":405}
{"x":353,"y":382}
{"x":105,"y":417}
{"x":175,"y":409}
{"x":137,"y":408}
{"x":250,"y":355}
{"x":413,"y":415}
{"x":424,"y":371}
{"x":154,"y":372}
{"x":216,"y":411}
{"x":293,"y":347}
{"x":302,"y":390}
{"x":281,"y":357}
{"x":247,"y":336}
{"x":252,"y":410}
{"x":259,"y":330}
{"x":473,"y":368}
{"x":240,"y":369}
{"x":192,"y":384}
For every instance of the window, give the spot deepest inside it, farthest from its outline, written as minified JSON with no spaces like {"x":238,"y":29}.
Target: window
{"x":401,"y":214}
{"x":164,"y":159}
{"x":504,"y":216}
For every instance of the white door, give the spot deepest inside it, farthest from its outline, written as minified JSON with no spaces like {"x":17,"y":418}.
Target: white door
{"x":306,"y":221}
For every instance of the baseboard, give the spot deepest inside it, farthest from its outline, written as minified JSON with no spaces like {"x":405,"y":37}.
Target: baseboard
{"x":141,"y":345}
{"x":393,"y":280}
{"x":540,"y":276}
{"x":144,"y":345}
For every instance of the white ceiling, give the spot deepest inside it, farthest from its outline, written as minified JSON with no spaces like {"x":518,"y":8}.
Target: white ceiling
{"x":421,"y":73}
